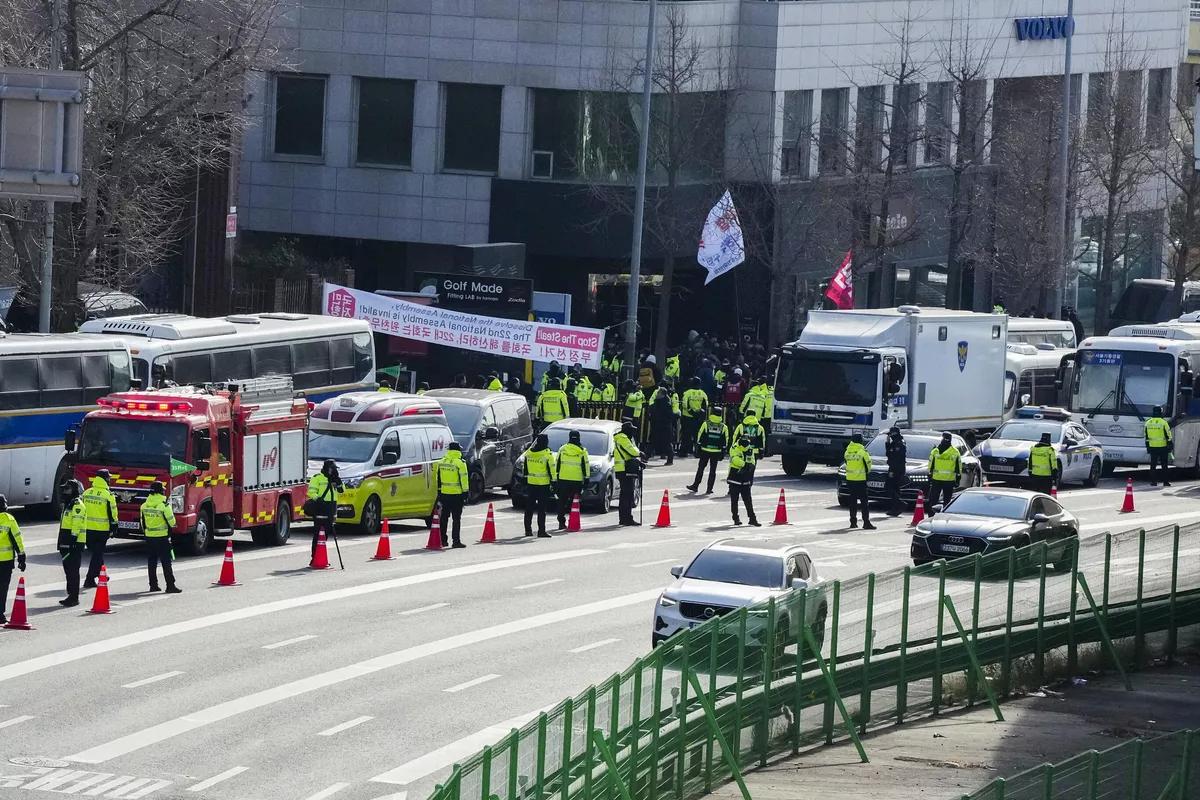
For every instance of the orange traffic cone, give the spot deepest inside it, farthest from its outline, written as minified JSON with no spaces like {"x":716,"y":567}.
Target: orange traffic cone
{"x":1127,"y":506}
{"x":489,"y":527}
{"x":664,"y":511}
{"x":100,"y":604}
{"x":919,"y":511}
{"x":435,"y":531}
{"x":19,"y":621}
{"x":1053,"y":490}
{"x":780,"y":510}
{"x":227,"y":578}
{"x":573,"y":523}
{"x":320,"y":559}
{"x":383,"y":551}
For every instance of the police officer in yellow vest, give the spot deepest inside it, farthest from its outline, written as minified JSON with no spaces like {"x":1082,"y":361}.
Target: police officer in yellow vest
{"x":12,"y":548}
{"x":711,"y":443}
{"x":72,"y":538}
{"x":635,"y":399}
{"x":671,"y":370}
{"x":693,"y":408}
{"x":608,"y":390}
{"x":540,"y":474}
{"x":574,"y":469}
{"x":1158,"y":445}
{"x":858,"y":465}
{"x":740,"y":479}
{"x":385,"y":384}
{"x":494,"y":384}
{"x":945,"y":471}
{"x":627,"y":466}
{"x":101,"y":523}
{"x":552,"y":404}
{"x":453,"y":488}
{"x":1043,"y":464}
{"x":750,"y":428}
{"x":323,"y":489}
{"x":157,"y":521}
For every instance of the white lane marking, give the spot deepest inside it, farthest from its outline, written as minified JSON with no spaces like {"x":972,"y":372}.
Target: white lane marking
{"x":8,"y":723}
{"x":824,"y":563}
{"x":60,"y":657}
{"x":594,"y":645}
{"x":328,"y":791}
{"x":395,"y":796}
{"x":140,"y":601}
{"x":285,"y":691}
{"x":150,"y":680}
{"x":345,"y":726}
{"x":422,"y":609}
{"x":287,"y":642}
{"x":1134,"y":521}
{"x":656,"y":563}
{"x":471,"y":683}
{"x":266,"y":578}
{"x":539,"y":583}
{"x":215,"y":779}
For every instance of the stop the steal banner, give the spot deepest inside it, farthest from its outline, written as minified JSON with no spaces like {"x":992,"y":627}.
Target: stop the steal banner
{"x":536,"y":341}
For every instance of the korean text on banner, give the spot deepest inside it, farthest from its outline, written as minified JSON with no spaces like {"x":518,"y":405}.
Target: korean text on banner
{"x":536,"y":341}
{"x":721,"y":245}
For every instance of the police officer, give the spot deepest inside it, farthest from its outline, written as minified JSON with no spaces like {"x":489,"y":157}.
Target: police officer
{"x":10,"y":544}
{"x":453,"y":487}
{"x":664,"y":408}
{"x":157,"y":521}
{"x":385,"y":384}
{"x":897,"y":464}
{"x":72,"y":538}
{"x":634,"y":400}
{"x":608,"y":388}
{"x":750,"y":428}
{"x":627,"y":466}
{"x":583,"y":388}
{"x":323,"y":489}
{"x":574,"y":468}
{"x":101,"y":523}
{"x":945,"y":471}
{"x":711,"y":442}
{"x":1158,"y":445}
{"x":494,"y":384}
{"x":552,"y":404}
{"x":1043,"y":464}
{"x":693,"y":410}
{"x":671,"y":369}
{"x":540,"y":474}
{"x":423,"y":387}
{"x":858,"y":465}
{"x":740,"y":479}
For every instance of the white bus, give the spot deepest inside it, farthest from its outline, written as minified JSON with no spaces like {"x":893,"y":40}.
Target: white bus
{"x":1030,"y":376}
{"x":47,"y":383}
{"x":1114,"y":382}
{"x":325,"y":356}
{"x":1057,"y":333}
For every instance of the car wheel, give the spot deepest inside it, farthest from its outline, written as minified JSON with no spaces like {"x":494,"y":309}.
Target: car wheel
{"x":794,"y":466}
{"x":1024,"y":561}
{"x":475,"y":486}
{"x":606,"y":497}
{"x":844,"y":500}
{"x":1108,"y":470}
{"x":372,"y":517}
{"x":977,"y":479}
{"x":196,"y":543}
{"x":818,"y":627}
{"x":1093,"y":478}
{"x":517,"y":502}
{"x":779,"y":653}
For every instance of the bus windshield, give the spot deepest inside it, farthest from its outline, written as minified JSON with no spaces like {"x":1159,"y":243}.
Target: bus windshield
{"x":132,"y":442}
{"x":844,"y":379}
{"x":1123,"y":382}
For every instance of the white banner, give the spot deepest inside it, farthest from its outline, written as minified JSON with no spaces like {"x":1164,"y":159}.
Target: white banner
{"x":535,"y":341}
{"x":721,"y":245}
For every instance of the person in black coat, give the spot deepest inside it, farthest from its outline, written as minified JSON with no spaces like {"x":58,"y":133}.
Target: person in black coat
{"x":897,"y":473}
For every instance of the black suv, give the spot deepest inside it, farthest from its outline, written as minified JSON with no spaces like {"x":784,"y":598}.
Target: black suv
{"x":494,"y":428}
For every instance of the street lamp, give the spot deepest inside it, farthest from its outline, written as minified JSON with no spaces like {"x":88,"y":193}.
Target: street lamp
{"x":639,"y":205}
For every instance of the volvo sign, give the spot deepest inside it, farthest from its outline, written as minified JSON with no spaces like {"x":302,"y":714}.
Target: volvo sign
{"x":1035,"y":28}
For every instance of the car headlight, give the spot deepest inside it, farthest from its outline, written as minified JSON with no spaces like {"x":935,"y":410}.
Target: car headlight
{"x":176,"y":499}
{"x":352,"y":483}
{"x":921,"y":531}
{"x":1000,"y":537}
{"x":919,"y":477}
{"x":666,"y":601}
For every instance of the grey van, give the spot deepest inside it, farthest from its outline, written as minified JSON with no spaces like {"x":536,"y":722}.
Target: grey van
{"x":494,"y":428}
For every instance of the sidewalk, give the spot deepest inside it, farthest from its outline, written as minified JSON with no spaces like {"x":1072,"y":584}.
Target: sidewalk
{"x":946,"y":757}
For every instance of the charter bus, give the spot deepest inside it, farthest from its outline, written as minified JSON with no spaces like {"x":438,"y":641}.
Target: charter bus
{"x":1030,"y":376}
{"x":1042,"y":333}
{"x":47,"y":383}
{"x":1112,"y":384}
{"x":325,"y":356}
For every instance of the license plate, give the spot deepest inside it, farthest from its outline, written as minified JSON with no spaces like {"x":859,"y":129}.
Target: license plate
{"x":819,"y":440}
{"x":874,"y":484}
{"x":128,"y":524}
{"x":955,"y":548}
{"x":1002,"y":468}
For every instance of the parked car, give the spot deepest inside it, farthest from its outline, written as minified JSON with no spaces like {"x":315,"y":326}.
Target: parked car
{"x":987,"y":520}
{"x":494,"y":428}
{"x":602,"y":490}
{"x":1005,"y":456}
{"x":919,"y":444}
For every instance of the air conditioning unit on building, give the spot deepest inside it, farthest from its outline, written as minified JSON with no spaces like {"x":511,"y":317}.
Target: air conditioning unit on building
{"x":543,"y":164}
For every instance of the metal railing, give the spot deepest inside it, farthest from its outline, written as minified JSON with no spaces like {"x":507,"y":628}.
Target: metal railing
{"x":835,"y":659}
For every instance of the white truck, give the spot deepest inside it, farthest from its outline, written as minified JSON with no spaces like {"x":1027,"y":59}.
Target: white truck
{"x":859,"y":371}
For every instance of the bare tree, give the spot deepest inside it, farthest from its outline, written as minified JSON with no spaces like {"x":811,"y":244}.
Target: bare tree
{"x":1176,"y":164}
{"x":166,"y":83}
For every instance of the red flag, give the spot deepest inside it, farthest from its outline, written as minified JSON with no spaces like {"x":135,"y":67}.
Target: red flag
{"x":841,"y":286}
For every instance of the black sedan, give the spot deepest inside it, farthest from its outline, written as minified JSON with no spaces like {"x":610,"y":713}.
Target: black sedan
{"x":988,"y":520}
{"x":918,"y":444}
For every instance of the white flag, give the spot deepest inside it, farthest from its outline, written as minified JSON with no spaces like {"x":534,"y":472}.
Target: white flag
{"x":721,"y":245}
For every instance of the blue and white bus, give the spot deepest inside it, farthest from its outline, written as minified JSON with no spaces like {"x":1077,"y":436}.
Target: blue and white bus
{"x":47,"y":383}
{"x":325,"y":356}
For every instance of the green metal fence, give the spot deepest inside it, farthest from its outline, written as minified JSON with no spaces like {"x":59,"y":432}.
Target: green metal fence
{"x":834,"y":659}
{"x":1163,"y":768}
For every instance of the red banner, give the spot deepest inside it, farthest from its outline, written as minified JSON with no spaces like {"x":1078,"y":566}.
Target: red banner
{"x":841,"y":286}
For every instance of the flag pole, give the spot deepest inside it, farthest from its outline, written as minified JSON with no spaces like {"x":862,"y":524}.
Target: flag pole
{"x":639,"y":205}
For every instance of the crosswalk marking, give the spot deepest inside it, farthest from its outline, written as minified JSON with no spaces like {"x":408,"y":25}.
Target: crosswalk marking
{"x":215,"y":779}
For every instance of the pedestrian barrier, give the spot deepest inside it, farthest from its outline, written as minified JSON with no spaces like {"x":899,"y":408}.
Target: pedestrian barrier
{"x":1166,"y":767}
{"x":836,"y":659}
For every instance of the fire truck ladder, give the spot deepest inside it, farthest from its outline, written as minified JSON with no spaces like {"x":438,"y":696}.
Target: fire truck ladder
{"x":257,"y":390}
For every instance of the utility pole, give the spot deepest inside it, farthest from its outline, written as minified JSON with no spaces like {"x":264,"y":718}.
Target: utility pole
{"x":48,"y":246}
{"x":639,"y":205}
{"x":1065,"y":226}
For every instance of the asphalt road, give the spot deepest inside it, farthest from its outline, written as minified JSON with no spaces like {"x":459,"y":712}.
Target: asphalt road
{"x":370,"y":682}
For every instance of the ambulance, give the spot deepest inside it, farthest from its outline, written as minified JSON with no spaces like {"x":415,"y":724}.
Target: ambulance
{"x":385,"y":445}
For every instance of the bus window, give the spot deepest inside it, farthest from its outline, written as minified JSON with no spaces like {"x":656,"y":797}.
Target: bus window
{"x":192,"y":370}
{"x":1010,"y":394}
{"x":233,"y":365}
{"x":341,"y":360}
{"x":96,"y":380}
{"x":272,"y":360}
{"x":62,"y":383}
{"x":141,"y":371}
{"x":364,"y":356}
{"x":120,"y":375}
{"x":311,"y":364}
{"x":18,"y":383}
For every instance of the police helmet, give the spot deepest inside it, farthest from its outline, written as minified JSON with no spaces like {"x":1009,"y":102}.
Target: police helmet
{"x":329,"y":468}
{"x":946,"y":436}
{"x":573,"y":437}
{"x":1158,"y":410}
{"x":628,"y":429}
{"x":857,"y":438}
{"x":103,"y":475}
{"x":1046,"y":438}
{"x":71,"y":490}
{"x":157,"y":488}
{"x":541,"y":442}
{"x":454,"y":446}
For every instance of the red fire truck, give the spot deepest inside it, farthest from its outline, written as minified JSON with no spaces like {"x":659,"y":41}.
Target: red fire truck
{"x":230,"y":457}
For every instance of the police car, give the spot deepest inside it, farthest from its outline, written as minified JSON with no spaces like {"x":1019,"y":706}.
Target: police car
{"x":1005,"y":456}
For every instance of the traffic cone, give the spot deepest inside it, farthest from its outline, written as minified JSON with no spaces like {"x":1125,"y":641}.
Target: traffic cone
{"x":435,"y":532}
{"x":1127,"y":506}
{"x":489,"y":527}
{"x":19,"y":621}
{"x":1053,"y":491}
{"x":100,"y":604}
{"x":227,"y":578}
{"x":919,"y":511}
{"x":664,"y":511}
{"x":573,"y":523}
{"x":781,"y":510}
{"x":383,"y":551}
{"x":320,"y":559}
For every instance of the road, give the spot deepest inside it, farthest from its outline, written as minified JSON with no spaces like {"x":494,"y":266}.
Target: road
{"x":369,"y":683}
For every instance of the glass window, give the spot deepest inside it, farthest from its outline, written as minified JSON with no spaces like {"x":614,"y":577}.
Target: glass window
{"x":62,"y":381}
{"x":905,"y":99}
{"x":18,"y":383}
{"x":391,"y":444}
{"x":132,"y":442}
{"x":1131,"y":382}
{"x":233,"y":365}
{"x":341,"y":360}
{"x":310,"y":364}
{"x":868,"y":142}
{"x":506,"y":415}
{"x":342,"y":446}
{"x":1029,"y":430}
{"x":410,"y":449}
{"x":472,"y":127}
{"x":300,"y":115}
{"x":807,"y":378}
{"x":224,"y":445}
{"x":746,"y":569}
{"x":973,"y":114}
{"x":364,"y":356}
{"x":835,"y":111}
{"x":141,"y":371}
{"x":1100,"y":103}
{"x":385,"y":121}
{"x":96,"y":378}
{"x":595,"y":442}
{"x":192,"y":370}
{"x":938,"y":113}
{"x":984,"y":504}
{"x":272,"y":360}
{"x":797,"y":132}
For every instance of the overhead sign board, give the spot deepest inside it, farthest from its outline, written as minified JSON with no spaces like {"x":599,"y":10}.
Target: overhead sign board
{"x":478,"y":294}
{"x":41,"y":134}
{"x":1042,"y":28}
